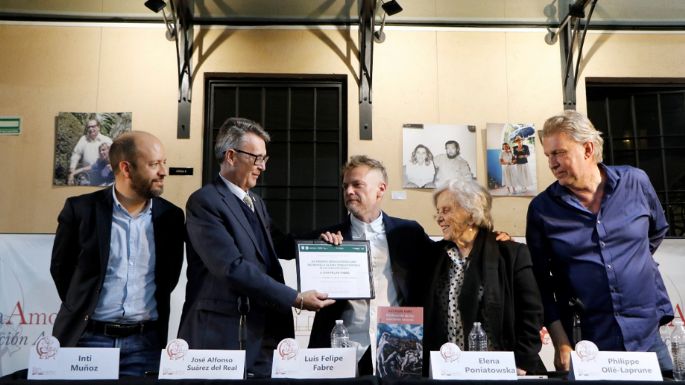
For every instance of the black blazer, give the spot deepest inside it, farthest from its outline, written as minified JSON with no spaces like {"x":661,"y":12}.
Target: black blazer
{"x":81,"y":252}
{"x":500,"y":291}
{"x":409,"y":249}
{"x":225,"y":263}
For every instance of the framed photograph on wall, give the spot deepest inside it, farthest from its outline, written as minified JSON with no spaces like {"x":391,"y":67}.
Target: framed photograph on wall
{"x":434,"y":153}
{"x":82,"y":141}
{"x":511,"y":159}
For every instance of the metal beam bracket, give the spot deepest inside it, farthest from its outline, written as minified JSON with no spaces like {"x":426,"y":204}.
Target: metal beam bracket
{"x":183,"y":12}
{"x":366,"y":27}
{"x":570,"y":37}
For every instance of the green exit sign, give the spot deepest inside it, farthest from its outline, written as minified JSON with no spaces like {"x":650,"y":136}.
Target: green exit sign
{"x":10,"y":125}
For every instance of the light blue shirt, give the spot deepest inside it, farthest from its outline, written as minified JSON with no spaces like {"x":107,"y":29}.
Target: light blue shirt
{"x":128,"y":292}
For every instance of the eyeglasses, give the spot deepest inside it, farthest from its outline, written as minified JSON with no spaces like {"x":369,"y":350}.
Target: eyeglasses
{"x":258,"y":159}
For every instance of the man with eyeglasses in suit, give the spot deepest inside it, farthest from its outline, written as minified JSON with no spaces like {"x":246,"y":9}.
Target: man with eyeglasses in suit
{"x":234,"y":276}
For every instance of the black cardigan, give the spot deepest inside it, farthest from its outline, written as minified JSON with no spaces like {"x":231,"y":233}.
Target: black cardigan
{"x":500,"y":291}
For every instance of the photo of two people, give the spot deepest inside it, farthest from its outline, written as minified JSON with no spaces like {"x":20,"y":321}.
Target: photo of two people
{"x":82,"y":142}
{"x":435,"y":153}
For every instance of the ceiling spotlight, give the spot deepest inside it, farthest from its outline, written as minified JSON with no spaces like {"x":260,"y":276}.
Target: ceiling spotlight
{"x":155,"y":5}
{"x":391,"y":7}
{"x":159,"y":5}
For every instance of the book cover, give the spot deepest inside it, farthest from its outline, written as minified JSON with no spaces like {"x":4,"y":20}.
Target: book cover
{"x":399,"y":342}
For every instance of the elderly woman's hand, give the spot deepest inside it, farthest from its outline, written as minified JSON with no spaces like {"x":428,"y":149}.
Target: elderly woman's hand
{"x":332,"y":238}
{"x":502,"y":236}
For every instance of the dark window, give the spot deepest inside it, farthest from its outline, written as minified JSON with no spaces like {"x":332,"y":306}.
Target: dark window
{"x":643,"y":125}
{"x":306,"y":119}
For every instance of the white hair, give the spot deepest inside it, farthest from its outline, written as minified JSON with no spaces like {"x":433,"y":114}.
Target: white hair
{"x":578,"y":127}
{"x":472,"y":197}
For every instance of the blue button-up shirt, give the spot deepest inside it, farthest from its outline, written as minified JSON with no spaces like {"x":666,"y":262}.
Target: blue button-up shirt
{"x":128,"y":291}
{"x":604,"y":259}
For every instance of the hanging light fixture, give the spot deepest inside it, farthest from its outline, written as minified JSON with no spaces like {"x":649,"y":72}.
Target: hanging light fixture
{"x":169,"y":21}
{"x":389,"y":8}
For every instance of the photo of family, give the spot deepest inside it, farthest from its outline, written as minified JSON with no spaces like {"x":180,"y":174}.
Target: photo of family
{"x":435,"y":153}
{"x":82,"y":142}
{"x":511,"y":159}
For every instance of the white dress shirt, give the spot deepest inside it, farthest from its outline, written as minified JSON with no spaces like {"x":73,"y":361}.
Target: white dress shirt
{"x":237,"y":191}
{"x":360,"y":316}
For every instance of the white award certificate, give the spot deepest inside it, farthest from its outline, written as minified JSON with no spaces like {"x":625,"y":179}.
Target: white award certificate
{"x":344,"y":271}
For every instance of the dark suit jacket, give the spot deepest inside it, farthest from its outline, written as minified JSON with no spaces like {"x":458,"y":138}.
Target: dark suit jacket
{"x":225,"y":263}
{"x":500,"y":291}
{"x":408,"y":249}
{"x":81,"y":252}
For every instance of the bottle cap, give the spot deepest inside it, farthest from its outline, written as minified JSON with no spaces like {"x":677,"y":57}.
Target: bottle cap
{"x":338,"y":321}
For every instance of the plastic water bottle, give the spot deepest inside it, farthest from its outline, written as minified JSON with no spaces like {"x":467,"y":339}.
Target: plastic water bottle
{"x":340,"y":337}
{"x":478,"y":340}
{"x":665,"y":334}
{"x":678,"y":350}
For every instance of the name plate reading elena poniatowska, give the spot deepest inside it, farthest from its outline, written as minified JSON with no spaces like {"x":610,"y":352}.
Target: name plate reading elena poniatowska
{"x":343,"y":272}
{"x":291,"y":362}
{"x":450,"y":363}
{"x":588,"y":363}
{"x":179,"y":362}
{"x":47,"y":361}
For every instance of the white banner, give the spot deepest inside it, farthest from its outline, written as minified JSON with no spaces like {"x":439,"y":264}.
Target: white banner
{"x":28,"y":298}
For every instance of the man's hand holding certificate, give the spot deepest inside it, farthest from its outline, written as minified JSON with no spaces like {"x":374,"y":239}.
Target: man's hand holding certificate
{"x":343,"y":271}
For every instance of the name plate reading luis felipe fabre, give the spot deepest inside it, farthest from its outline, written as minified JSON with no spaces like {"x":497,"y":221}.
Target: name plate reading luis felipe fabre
{"x":292,"y":362}
{"x":588,"y":363}
{"x":343,"y":272}
{"x":179,"y":362}
{"x":47,"y":361}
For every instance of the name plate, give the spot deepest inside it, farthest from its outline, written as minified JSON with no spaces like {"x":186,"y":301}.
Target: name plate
{"x":450,"y":363}
{"x":291,"y":362}
{"x":178,"y":362}
{"x":588,"y":363}
{"x":47,"y":361}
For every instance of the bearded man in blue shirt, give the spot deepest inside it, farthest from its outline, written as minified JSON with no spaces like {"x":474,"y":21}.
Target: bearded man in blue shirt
{"x":591,"y":235}
{"x":117,"y":257}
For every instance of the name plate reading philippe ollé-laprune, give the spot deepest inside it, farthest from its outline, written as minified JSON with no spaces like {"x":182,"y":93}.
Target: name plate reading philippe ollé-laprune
{"x":588,"y":363}
{"x":343,"y":271}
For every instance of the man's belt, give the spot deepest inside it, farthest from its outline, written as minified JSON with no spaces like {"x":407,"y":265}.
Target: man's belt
{"x":113,"y":329}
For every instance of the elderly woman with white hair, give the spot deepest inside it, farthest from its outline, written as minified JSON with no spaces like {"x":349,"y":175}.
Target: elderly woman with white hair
{"x":479,"y":279}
